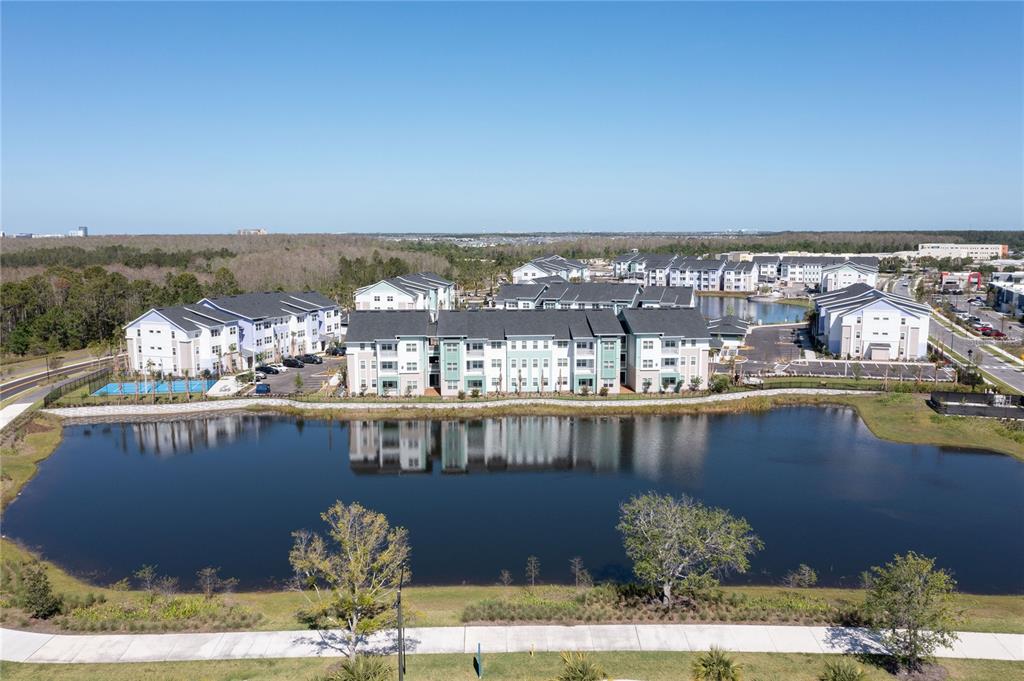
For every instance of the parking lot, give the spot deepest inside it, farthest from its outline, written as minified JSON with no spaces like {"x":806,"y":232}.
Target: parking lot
{"x":905,"y":371}
{"x":767,"y":346}
{"x":313,"y":377}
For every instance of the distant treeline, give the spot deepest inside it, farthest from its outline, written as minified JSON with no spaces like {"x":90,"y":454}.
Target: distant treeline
{"x":67,"y":309}
{"x":76,"y":256}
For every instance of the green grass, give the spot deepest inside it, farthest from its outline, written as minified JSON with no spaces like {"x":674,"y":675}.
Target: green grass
{"x":649,"y":666}
{"x":18,"y":463}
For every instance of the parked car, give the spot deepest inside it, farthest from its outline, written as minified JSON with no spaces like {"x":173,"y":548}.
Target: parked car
{"x":262,"y":389}
{"x":267,"y":369}
{"x":258,"y":376}
{"x":993,"y":333}
{"x":281,"y":368}
{"x":310,"y":359}
{"x":293,"y":363}
{"x":336,"y":351}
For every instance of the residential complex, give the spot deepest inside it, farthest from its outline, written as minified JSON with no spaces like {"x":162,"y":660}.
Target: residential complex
{"x":420,"y":291}
{"x":861,"y":322}
{"x":232,"y":332}
{"x":522,"y":351}
{"x":551,"y":266}
{"x":566,"y":296}
{"x":977,"y":252}
{"x":842,"y":274}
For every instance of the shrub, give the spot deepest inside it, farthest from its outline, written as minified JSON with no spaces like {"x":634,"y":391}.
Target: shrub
{"x":579,"y":667}
{"x":362,"y":668}
{"x":35,"y":595}
{"x":715,"y":665}
{"x":584,"y":390}
{"x":603,"y":392}
{"x":842,"y":669}
{"x":801,"y":578}
{"x":719,"y":383}
{"x":474,"y":393}
{"x":462,"y":394}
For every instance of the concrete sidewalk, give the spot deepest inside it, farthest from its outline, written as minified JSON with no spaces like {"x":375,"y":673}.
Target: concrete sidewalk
{"x":23,"y":646}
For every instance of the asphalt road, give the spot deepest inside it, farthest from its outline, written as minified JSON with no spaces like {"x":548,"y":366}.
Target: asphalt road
{"x":19,"y":385}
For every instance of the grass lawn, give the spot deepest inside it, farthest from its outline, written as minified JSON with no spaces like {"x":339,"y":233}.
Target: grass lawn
{"x":18,"y":463}
{"x":651,"y":666}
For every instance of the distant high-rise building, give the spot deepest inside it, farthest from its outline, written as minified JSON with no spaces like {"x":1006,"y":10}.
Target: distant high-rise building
{"x":79,"y":231}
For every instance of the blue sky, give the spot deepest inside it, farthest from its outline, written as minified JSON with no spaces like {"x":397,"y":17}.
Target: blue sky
{"x":204,"y":117}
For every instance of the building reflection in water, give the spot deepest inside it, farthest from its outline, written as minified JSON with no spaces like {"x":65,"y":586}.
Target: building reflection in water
{"x":523,"y":443}
{"x":167,"y":438}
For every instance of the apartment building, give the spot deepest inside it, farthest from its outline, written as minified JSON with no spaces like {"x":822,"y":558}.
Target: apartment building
{"x":739,"y":276}
{"x":551,"y":266}
{"x":666,"y":349}
{"x":767,"y":267}
{"x":842,"y":274}
{"x":275,"y":324}
{"x":183,"y":338}
{"x":228,"y":334}
{"x":420,"y":291}
{"x":389,"y":352}
{"x":562,"y":295}
{"x":502,"y":351}
{"x":862,"y":322}
{"x":666,"y":296}
{"x":977,"y":252}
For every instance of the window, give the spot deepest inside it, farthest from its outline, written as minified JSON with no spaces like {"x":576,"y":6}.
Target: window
{"x":648,"y":345}
{"x":563,"y":361}
{"x":512,"y":345}
{"x":476,"y":346}
{"x":376,"y":299}
{"x":609,"y":364}
{"x":452,"y":367}
{"x":391,"y":299}
{"x":495,"y":363}
{"x":668,"y":362}
{"x":512,"y":363}
{"x":648,"y":364}
{"x":412,"y":366}
{"x":534,"y":345}
{"x":669,"y":344}
{"x":584,"y":364}
{"x":410,"y":347}
{"x":453,"y":385}
{"x":545,"y":345}
{"x":534,"y":363}
{"x":693,"y":361}
{"x":545,"y":363}
{"x":215,"y":349}
{"x":388,"y":366}
{"x":413,"y":386}
{"x":496,"y":345}
{"x":475,"y":365}
{"x":561,"y":344}
{"x":451,"y":347}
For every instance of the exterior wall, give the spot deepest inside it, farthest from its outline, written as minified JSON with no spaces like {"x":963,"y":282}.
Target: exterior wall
{"x":654,"y":363}
{"x":837,"y":278}
{"x":973,"y":251}
{"x":526,"y":273}
{"x":852,"y":333}
{"x":396,"y":367}
{"x":383,"y":296}
{"x":157,"y":345}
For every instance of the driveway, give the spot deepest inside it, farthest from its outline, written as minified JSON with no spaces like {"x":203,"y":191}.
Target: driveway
{"x":313,"y":376}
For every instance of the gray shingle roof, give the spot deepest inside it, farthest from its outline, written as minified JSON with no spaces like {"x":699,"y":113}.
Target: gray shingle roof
{"x":666,"y":296}
{"x":502,"y":324}
{"x":365,"y":326}
{"x":684,"y":322}
{"x":272,"y":304}
{"x":519,"y":292}
{"x":195,"y":317}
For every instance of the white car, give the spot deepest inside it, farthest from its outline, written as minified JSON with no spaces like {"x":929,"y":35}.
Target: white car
{"x":259,"y":376}
{"x":280,"y":367}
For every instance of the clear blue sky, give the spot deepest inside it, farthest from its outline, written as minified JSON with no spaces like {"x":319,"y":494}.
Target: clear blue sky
{"x":202,"y":117}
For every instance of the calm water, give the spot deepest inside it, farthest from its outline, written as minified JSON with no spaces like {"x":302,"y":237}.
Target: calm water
{"x":479,"y":496}
{"x":713,"y":307}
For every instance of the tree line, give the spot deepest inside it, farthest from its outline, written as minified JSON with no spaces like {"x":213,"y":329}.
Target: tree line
{"x":76,"y":256}
{"x":68,"y":309}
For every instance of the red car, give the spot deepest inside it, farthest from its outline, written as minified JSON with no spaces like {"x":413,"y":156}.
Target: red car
{"x":993,"y":333}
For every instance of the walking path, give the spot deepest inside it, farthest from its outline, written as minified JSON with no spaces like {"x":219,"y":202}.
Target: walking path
{"x":119,"y":410}
{"x":24,"y":646}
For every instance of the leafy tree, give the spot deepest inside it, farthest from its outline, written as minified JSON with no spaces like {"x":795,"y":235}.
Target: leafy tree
{"x":681,"y":544}
{"x":298,"y":382}
{"x":910,"y":604}
{"x":695,"y":383}
{"x":351,"y":578}
{"x":715,"y":665}
{"x":803,"y":577}
{"x":223,"y":284}
{"x":719,"y":383}
{"x":36,"y":595}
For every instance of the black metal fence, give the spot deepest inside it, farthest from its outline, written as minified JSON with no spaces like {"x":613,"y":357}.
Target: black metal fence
{"x":93,"y":381}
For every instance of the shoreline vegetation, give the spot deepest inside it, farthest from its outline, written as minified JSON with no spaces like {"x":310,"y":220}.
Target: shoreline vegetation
{"x":899,"y":417}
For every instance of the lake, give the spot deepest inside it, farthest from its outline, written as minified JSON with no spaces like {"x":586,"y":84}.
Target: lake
{"x":713,"y":307}
{"x":479,"y":496}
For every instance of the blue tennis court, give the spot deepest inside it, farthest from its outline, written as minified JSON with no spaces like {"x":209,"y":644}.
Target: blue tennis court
{"x":158,"y":387}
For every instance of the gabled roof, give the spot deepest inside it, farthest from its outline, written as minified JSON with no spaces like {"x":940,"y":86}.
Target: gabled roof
{"x":856,"y":266}
{"x":190,"y":317}
{"x":366,"y":326}
{"x":519,"y":292}
{"x":271,"y":303}
{"x":503,"y":324}
{"x":859,"y":296}
{"x":767,"y":259}
{"x":411,"y":284}
{"x":741,"y":266}
{"x":666,"y":296}
{"x":684,"y":322}
{"x":729,"y":325}
{"x":597,"y":292}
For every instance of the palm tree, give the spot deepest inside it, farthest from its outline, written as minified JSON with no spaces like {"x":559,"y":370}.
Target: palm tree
{"x":715,"y":665}
{"x":188,"y":386}
{"x":232,"y":351}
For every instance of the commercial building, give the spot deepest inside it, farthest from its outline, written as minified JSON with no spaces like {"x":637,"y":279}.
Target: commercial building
{"x":842,"y":274}
{"x":666,"y":349}
{"x":551,"y":266}
{"x":229,"y":334}
{"x":977,"y":252}
{"x":862,"y":322}
{"x":420,"y":291}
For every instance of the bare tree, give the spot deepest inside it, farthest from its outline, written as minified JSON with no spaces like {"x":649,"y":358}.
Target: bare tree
{"x":210,"y":581}
{"x":532,"y":570}
{"x":580,"y":574}
{"x":505,"y":578}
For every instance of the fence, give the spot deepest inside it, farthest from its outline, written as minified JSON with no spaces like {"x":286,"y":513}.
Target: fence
{"x":94,"y":380}
{"x":992,"y":405}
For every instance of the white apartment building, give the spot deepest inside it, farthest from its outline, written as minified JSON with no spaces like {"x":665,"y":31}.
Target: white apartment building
{"x":420,"y":291}
{"x":184,"y":338}
{"x":551,"y":266}
{"x":842,"y":274}
{"x":389,"y":352}
{"x":767,"y":268}
{"x":561,"y":295}
{"x":739,"y":276}
{"x":665,"y":349}
{"x":976,"y":252}
{"x":862,"y":322}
